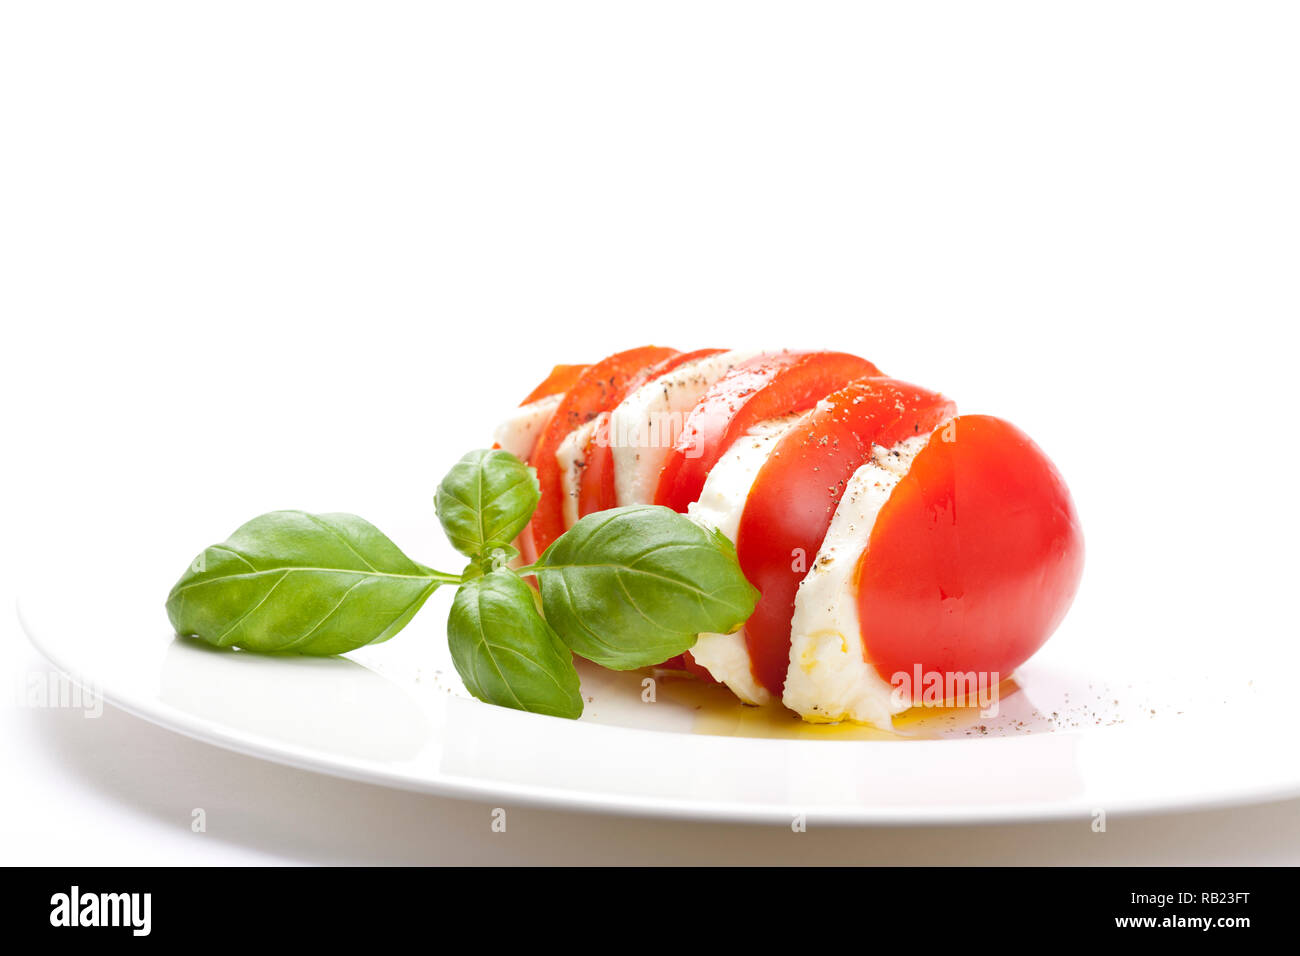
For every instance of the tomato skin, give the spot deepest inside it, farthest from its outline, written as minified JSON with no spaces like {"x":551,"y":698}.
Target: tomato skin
{"x":794,"y":497}
{"x":598,"y":389}
{"x":975,"y":558}
{"x":763,"y":388}
{"x":596,"y":487}
{"x":561,"y":379}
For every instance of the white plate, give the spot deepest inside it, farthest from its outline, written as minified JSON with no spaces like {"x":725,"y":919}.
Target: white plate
{"x":1070,"y":740}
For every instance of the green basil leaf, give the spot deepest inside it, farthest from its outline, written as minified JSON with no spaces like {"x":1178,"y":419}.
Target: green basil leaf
{"x":486,"y":500}
{"x":506,"y":653}
{"x":299,"y":583}
{"x":631,"y":587}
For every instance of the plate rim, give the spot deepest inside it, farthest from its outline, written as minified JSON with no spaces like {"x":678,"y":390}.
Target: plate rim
{"x":545,"y":796}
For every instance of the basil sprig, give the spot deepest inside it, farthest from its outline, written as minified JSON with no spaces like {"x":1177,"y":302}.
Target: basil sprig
{"x":626,"y":588}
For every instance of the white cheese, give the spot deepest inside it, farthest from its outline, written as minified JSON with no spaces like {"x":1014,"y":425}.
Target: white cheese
{"x":829,"y":678}
{"x":519,"y":433}
{"x":722,"y":501}
{"x":645,"y":424}
{"x":571,"y":456}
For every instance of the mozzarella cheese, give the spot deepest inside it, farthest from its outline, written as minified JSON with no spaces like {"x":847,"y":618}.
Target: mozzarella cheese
{"x":519,"y":433}
{"x":571,"y":456}
{"x":830,"y":678}
{"x":645,"y":424}
{"x":722,"y":500}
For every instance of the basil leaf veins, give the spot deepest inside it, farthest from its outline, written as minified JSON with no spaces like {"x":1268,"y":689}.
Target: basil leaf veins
{"x":290,"y":581}
{"x":485,"y":501}
{"x":506,"y":653}
{"x":633,"y":586}
{"x":626,"y":588}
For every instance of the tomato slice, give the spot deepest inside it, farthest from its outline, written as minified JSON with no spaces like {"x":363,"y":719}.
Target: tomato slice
{"x":696,"y":670}
{"x":598,"y":389}
{"x":561,"y":379}
{"x":794,"y":497}
{"x":596,"y":490}
{"x":766,"y":387}
{"x":596,"y":487}
{"x":974,"y":559}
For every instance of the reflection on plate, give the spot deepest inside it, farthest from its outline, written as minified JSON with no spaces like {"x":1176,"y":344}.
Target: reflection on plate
{"x":1063,"y":743}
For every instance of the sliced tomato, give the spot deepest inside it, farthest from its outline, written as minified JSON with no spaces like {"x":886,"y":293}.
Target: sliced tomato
{"x":596,"y":486}
{"x":769,"y":386}
{"x":794,"y":497}
{"x":560,"y":380}
{"x":596,"y":491}
{"x":685,"y":662}
{"x":598,"y":389}
{"x":696,"y":670}
{"x":974,"y":559}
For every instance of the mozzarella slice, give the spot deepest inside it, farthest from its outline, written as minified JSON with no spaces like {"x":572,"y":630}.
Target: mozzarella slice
{"x":645,"y":424}
{"x":722,"y":500}
{"x":571,"y":456}
{"x":519,"y":433}
{"x":830,"y":678}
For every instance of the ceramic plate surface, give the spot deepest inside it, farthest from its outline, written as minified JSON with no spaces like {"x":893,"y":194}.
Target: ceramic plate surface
{"x":1096,"y":721}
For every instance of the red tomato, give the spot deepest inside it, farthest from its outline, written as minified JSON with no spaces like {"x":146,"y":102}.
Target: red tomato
{"x":766,"y":387}
{"x":685,"y":662}
{"x":596,"y":488}
{"x":596,"y":491}
{"x":697,"y":670}
{"x":561,"y":379}
{"x":598,"y":389}
{"x":797,"y":490}
{"x":974,"y":559}
{"x":596,"y":485}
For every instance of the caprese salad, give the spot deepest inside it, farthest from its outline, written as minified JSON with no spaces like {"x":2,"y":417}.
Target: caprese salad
{"x":885,"y":533}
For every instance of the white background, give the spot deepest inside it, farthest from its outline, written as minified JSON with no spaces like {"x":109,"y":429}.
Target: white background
{"x":261,"y":255}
